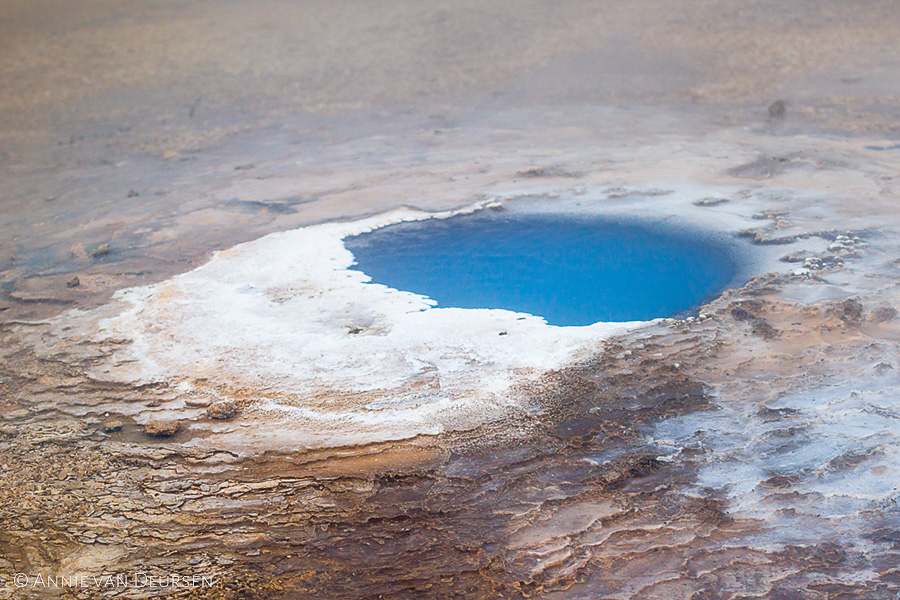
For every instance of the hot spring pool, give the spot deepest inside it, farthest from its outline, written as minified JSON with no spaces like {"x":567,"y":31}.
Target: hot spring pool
{"x":568,"y":270}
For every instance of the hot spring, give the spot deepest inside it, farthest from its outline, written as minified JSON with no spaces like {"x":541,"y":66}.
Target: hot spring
{"x":572,"y":271}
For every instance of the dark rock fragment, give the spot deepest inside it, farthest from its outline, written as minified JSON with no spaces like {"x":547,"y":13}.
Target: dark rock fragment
{"x":222,"y":411}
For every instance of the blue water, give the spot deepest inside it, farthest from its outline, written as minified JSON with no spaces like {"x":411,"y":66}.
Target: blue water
{"x":571,"y":271}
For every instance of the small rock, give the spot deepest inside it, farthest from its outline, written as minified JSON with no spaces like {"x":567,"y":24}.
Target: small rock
{"x":710,"y":201}
{"x":74,"y":282}
{"x":531,"y":172}
{"x":101,"y":250}
{"x":133,"y":193}
{"x":775,"y":241}
{"x":161,"y":429}
{"x":111,"y":424}
{"x":197,"y":402}
{"x":768,"y":214}
{"x":796,"y":257}
{"x":759,"y":237}
{"x":778,"y":109}
{"x":222,"y":411}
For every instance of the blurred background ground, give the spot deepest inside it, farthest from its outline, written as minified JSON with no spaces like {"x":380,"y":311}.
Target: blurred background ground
{"x":96,"y":80}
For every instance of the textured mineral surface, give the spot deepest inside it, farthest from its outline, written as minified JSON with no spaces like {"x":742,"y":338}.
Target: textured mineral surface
{"x":198,"y":399}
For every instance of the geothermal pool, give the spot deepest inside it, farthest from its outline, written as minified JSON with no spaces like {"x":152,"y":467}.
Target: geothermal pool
{"x":572,"y":271}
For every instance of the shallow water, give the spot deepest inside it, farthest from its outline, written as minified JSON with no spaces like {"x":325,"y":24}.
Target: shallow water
{"x":571,"y":271}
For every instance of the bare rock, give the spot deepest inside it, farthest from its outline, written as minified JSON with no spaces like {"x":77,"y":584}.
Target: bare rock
{"x":759,"y":236}
{"x":111,"y":424}
{"x":531,"y":172}
{"x":796,"y":257}
{"x":161,"y":429}
{"x":768,"y":214}
{"x":101,"y":250}
{"x":74,"y":282}
{"x":222,"y":411}
{"x":710,"y":201}
{"x":197,"y":402}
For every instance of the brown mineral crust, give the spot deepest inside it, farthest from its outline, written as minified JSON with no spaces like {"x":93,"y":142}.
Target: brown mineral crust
{"x":882,"y":314}
{"x":762,"y":329}
{"x":564,"y":498}
{"x":849,"y":311}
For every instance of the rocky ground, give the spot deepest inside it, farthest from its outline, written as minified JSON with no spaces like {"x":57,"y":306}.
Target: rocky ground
{"x":750,"y":452}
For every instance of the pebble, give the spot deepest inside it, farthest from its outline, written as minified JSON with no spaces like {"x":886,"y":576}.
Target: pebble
{"x":110,"y":424}
{"x":101,"y":250}
{"x":161,"y":429}
{"x":222,"y":411}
